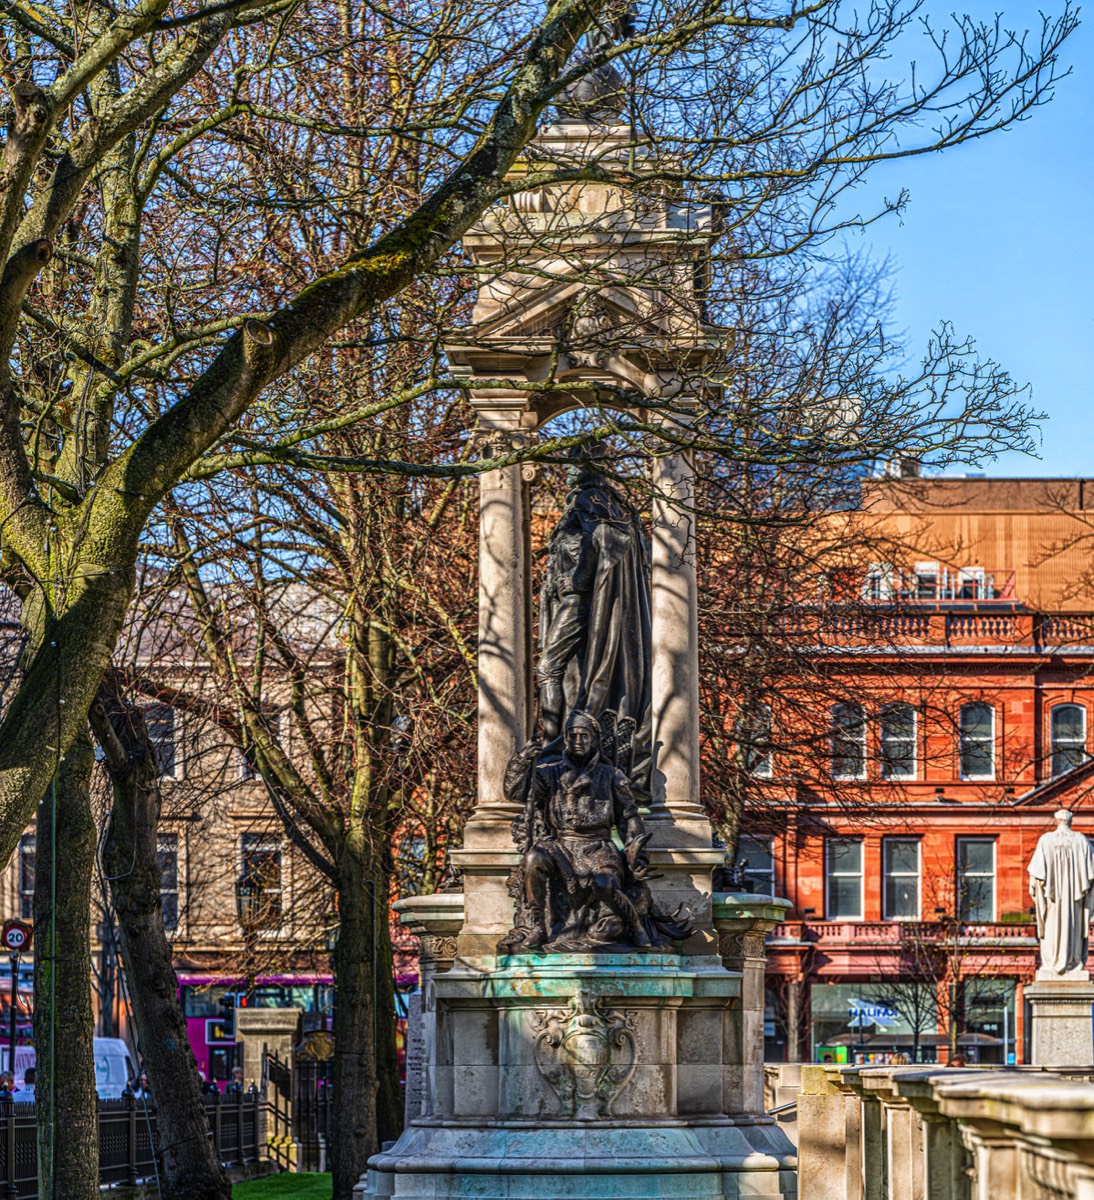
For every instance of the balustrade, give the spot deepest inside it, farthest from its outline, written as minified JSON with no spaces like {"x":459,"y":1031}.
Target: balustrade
{"x":889,"y":933}
{"x":930,"y":1133}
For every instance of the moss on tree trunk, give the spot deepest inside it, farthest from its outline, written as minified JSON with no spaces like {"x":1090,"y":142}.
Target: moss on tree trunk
{"x":190,"y":1167}
{"x":68,"y":1138}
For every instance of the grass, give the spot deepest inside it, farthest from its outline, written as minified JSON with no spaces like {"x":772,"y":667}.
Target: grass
{"x":305,"y":1186}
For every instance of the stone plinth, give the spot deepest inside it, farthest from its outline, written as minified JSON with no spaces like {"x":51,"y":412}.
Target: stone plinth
{"x":822,"y":1137}
{"x":585,"y":1075}
{"x":1062,"y":1022}
{"x":742,"y":921}
{"x":273,"y":1029}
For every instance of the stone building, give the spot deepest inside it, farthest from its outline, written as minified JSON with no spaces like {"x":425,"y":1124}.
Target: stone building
{"x":961,"y":722}
{"x":249,"y":919}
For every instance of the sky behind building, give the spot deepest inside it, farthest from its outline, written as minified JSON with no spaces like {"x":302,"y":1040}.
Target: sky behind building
{"x":998,"y":238}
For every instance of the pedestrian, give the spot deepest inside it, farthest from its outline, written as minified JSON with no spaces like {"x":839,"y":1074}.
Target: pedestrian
{"x":235,"y":1088}
{"x":26,"y":1092}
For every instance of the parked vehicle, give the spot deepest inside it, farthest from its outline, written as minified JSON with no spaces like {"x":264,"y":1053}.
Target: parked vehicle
{"x":113,"y":1067}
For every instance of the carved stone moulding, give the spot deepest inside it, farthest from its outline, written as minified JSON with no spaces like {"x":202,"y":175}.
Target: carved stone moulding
{"x":737,"y":946}
{"x":586,"y":1052}
{"x":437,"y":949}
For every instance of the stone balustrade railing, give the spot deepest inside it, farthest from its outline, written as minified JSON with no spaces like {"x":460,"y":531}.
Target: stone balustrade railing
{"x":883,"y":627}
{"x":833,"y":934}
{"x":931,"y":1133}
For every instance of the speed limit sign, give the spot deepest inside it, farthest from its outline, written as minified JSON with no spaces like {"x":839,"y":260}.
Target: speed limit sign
{"x":16,"y":936}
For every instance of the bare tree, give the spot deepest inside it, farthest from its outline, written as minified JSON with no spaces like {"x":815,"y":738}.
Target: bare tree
{"x":334,"y":619}
{"x":158,"y":319}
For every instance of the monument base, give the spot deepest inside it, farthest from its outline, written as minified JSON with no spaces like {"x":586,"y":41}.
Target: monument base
{"x":607,"y":1160}
{"x":1062,"y":1022}
{"x":609,"y":1076}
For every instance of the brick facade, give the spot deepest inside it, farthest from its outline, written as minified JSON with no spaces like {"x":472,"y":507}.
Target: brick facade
{"x":954,"y":826}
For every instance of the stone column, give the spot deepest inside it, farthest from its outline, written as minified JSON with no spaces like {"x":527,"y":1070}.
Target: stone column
{"x":945,"y":1157}
{"x":793,"y":1021}
{"x":436,"y":920}
{"x":822,"y":1136}
{"x":904,"y":1146}
{"x":675,"y":674}
{"x":504,"y":667}
{"x":505,"y":618}
{"x":742,"y":921}
{"x":873,"y":1150}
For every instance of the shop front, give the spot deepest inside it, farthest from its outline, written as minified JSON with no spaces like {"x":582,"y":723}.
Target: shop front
{"x":872,"y":1022}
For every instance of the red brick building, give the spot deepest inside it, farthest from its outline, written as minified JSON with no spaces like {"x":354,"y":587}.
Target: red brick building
{"x":964,"y":720}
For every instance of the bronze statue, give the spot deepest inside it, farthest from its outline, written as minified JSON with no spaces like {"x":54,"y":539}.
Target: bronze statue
{"x":599,"y":96}
{"x":594,"y":619}
{"x":575,"y":890}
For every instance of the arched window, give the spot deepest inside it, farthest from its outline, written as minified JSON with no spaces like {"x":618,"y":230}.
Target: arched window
{"x":1068,"y":737}
{"x":898,"y":729}
{"x":848,"y":734}
{"x":977,"y":730}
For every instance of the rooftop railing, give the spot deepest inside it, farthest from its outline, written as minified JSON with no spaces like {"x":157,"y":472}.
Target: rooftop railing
{"x":892,"y":934}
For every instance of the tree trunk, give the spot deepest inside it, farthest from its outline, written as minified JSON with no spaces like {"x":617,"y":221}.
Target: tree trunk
{"x":68,"y":1138}
{"x":367,"y":1097}
{"x":190,"y":1167}
{"x":390,"y":1105}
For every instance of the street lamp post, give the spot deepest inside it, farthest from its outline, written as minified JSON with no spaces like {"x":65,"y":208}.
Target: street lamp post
{"x":249,"y":913}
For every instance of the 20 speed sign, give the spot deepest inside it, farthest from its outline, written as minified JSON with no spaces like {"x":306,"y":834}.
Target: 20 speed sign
{"x":16,"y":936}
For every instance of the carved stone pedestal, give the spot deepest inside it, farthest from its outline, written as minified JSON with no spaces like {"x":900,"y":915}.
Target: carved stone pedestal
{"x":589,"y":1075}
{"x":1062,"y":1022}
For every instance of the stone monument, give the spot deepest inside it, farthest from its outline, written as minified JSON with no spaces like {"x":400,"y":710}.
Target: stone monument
{"x":1061,"y":884}
{"x":592,"y":1014}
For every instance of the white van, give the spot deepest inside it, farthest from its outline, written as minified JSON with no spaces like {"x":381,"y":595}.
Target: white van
{"x":113,"y":1067}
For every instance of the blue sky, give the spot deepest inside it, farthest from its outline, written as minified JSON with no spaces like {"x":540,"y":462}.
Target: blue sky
{"x":998,"y":238}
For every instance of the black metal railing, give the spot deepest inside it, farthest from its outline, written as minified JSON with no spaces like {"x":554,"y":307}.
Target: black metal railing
{"x":313,"y":1094}
{"x":127,"y":1135}
{"x":277,"y":1087}
{"x":299,"y":1104}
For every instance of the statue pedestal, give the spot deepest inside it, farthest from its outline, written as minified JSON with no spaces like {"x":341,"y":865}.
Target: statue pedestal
{"x":1062,"y":1015}
{"x":625,"y":1075}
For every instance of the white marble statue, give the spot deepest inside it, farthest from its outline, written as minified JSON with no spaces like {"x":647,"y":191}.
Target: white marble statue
{"x":1061,"y":882}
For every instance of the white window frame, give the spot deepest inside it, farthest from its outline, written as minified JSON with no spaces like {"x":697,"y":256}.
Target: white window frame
{"x":833,"y":735}
{"x":246,"y":771}
{"x":1065,"y":745}
{"x":914,"y":773}
{"x":768,"y":844}
{"x":879,"y":584}
{"x":168,"y":841}
{"x":267,"y":843}
{"x":886,"y":846}
{"x":979,"y":875}
{"x":830,"y":874}
{"x":990,"y":740}
{"x":927,"y":571}
{"x":977,"y":578}
{"x":176,"y":771}
{"x":755,"y":726}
